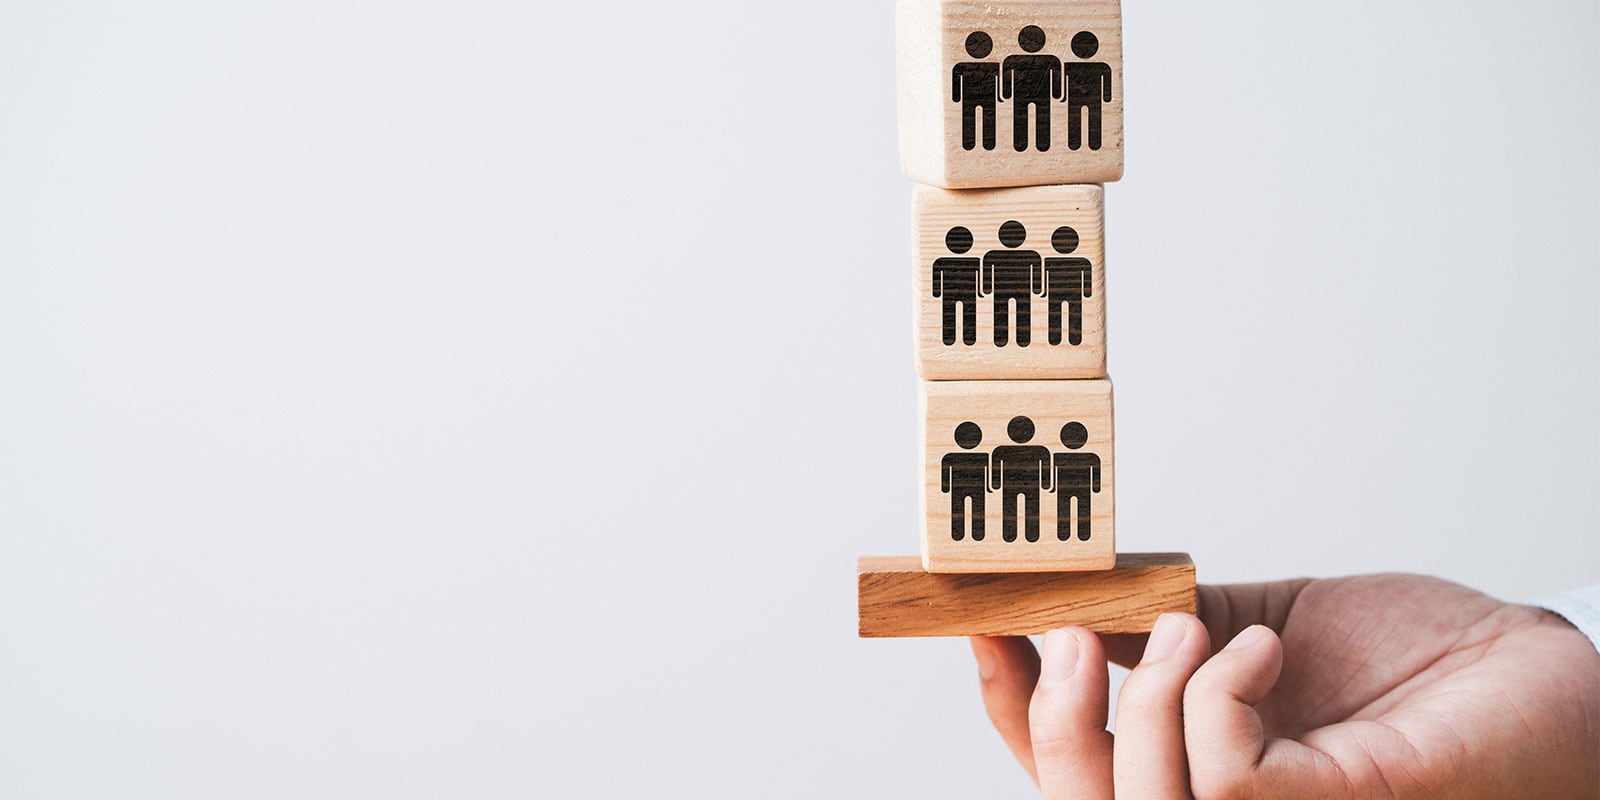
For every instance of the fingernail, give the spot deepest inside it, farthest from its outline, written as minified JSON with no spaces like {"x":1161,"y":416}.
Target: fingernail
{"x":1059,"y":658}
{"x":985,"y":658}
{"x":1164,"y":639}
{"x":1255,"y":634}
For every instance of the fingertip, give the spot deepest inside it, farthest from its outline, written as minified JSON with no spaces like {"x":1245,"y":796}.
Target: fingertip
{"x":1255,"y":644}
{"x":1256,"y":649}
{"x":1091,"y":651}
{"x":1072,"y":663}
{"x":1174,"y":632}
{"x":1058,"y":657}
{"x":1251,"y":637}
{"x":1247,"y":668}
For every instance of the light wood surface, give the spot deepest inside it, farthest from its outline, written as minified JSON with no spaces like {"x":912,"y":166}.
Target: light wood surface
{"x":931,"y":39}
{"x":896,"y":597}
{"x":991,"y":406}
{"x":1068,"y":270}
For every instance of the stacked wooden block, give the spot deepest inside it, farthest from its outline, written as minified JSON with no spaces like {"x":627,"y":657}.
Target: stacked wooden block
{"x":1011,"y":122}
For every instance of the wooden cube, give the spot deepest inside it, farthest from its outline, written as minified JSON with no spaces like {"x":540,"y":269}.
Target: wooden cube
{"x":896,"y":597}
{"x":1017,"y":476}
{"x":1010,"y":283}
{"x":1012,"y":93}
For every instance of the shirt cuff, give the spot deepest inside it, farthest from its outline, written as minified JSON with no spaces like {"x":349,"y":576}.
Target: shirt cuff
{"x":1581,"y":607}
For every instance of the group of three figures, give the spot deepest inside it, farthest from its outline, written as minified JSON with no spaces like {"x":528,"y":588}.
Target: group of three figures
{"x":1011,"y":274}
{"x":1035,"y":81}
{"x":1020,"y":471}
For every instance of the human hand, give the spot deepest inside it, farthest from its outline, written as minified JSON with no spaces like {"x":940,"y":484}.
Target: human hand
{"x":1384,"y":686}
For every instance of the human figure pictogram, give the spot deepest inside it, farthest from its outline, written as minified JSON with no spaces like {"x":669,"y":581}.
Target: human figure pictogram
{"x":1019,"y":470}
{"x":1074,"y":476}
{"x":1066,"y":280}
{"x":1088,"y":84}
{"x":1011,"y":275}
{"x":1031,"y":81}
{"x":976,"y":86}
{"x":955,"y":281}
{"x":965,"y":476}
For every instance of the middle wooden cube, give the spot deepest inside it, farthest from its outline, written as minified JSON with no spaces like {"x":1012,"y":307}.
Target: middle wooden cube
{"x":1017,"y":476}
{"x":1010,"y":283}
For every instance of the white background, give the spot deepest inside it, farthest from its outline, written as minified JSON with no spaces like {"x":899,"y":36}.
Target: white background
{"x":414,"y":399}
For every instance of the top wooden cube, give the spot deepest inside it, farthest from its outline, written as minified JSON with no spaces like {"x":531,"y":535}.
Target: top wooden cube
{"x":1019,"y":93}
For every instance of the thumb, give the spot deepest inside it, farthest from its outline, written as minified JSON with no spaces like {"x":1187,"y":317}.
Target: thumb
{"x":1223,"y":733}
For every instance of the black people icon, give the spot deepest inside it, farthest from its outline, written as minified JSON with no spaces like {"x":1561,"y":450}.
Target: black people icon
{"x":1019,"y":471}
{"x":1012,"y":274}
{"x":1030,"y":80}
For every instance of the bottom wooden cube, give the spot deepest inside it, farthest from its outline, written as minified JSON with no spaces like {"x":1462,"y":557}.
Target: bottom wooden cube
{"x":1018,"y":476}
{"x":897,"y":597}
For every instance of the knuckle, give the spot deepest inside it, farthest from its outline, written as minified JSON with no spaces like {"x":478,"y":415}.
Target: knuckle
{"x":1054,"y":747}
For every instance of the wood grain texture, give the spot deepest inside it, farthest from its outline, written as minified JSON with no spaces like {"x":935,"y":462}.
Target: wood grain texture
{"x":991,"y":406}
{"x":896,"y":597}
{"x":948,"y":280}
{"x":931,"y":42}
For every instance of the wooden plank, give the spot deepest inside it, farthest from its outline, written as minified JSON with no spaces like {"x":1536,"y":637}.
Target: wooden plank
{"x":1047,"y":444}
{"x":959,"y":114}
{"x":1010,"y":283}
{"x":896,"y":597}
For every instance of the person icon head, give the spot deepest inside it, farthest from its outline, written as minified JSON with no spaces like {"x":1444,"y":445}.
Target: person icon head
{"x":1031,"y":38}
{"x":1074,"y":435}
{"x":968,"y":435}
{"x":958,"y":239}
{"x":1012,"y":234}
{"x":1085,"y":45}
{"x":979,"y":45}
{"x":1020,"y":429}
{"x":1065,"y":239}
